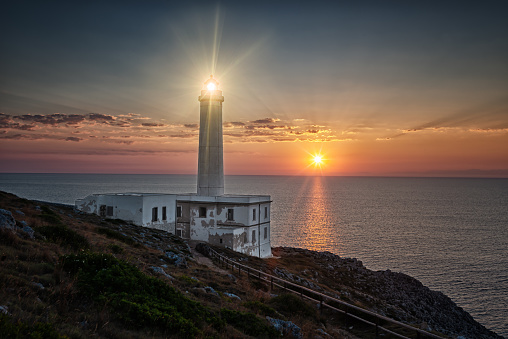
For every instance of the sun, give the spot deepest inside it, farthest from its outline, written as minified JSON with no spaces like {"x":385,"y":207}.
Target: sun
{"x":317,"y":159}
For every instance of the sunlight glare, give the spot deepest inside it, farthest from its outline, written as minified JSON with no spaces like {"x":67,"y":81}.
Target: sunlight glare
{"x":211,"y":86}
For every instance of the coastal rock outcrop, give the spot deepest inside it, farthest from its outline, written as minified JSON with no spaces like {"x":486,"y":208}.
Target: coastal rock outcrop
{"x":393,"y":294}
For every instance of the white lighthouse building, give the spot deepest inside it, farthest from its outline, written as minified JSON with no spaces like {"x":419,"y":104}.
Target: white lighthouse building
{"x":239,"y":222}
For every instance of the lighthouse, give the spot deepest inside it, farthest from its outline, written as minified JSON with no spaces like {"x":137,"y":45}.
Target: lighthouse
{"x":210,"y":159}
{"x":236,"y":221}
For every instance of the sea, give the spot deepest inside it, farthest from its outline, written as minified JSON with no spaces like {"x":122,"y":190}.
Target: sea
{"x":449,"y":233}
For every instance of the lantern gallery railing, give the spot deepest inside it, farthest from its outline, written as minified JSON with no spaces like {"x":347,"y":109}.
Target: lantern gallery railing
{"x":379,"y":323}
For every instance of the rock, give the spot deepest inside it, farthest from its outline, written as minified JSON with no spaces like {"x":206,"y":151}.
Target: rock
{"x":159,"y":270}
{"x":4,"y":310}
{"x":19,"y":212}
{"x":210,"y":289}
{"x":232,"y":296}
{"x":7,"y":220}
{"x":178,"y":259}
{"x":29,"y":231}
{"x":39,"y":285}
{"x":286,"y":327}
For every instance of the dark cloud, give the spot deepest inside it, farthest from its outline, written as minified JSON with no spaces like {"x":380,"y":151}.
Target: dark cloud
{"x":265,"y":121}
{"x":73,"y":139}
{"x":152,"y":124}
{"x":191,"y":125}
{"x":184,"y":136}
{"x":100,"y":117}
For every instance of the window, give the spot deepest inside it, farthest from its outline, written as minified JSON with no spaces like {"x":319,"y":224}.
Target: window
{"x":164,"y":216}
{"x":254,"y":214}
{"x":178,"y":211}
{"x":253,"y":236}
{"x":220,"y":240}
{"x":179,"y":233}
{"x":102,"y":211}
{"x":155,"y":213}
{"x":245,"y":240}
{"x":110,"y":211}
{"x":202,"y":212}
{"x":266,"y":232}
{"x":230,"y":214}
{"x":266,"y":212}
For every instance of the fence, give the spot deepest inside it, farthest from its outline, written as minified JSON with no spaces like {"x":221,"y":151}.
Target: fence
{"x":347,"y":310}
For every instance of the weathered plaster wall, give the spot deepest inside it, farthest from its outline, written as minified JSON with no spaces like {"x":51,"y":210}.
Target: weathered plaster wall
{"x":200,"y":226}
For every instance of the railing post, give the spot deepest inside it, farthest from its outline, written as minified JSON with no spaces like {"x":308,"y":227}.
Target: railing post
{"x":271,"y":284}
{"x":345,"y":317}
{"x":321,"y":305}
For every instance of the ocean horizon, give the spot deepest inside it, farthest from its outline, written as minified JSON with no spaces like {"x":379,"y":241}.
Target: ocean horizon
{"x":449,"y":233}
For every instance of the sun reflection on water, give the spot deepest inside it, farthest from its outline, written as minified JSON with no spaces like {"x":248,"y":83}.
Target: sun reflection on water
{"x":318,"y":232}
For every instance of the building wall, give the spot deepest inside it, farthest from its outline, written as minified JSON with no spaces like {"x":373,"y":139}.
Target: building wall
{"x":128,"y":208}
{"x":160,"y":201}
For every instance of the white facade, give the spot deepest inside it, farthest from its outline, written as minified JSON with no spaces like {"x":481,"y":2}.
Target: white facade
{"x":239,"y":222}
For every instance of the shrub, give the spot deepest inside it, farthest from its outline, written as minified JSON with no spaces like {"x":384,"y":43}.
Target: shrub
{"x":64,"y":236}
{"x":8,"y":329}
{"x":291,"y":304}
{"x":249,"y":323}
{"x":259,"y":307}
{"x":112,"y":234}
{"x":137,"y":300}
{"x":49,"y":216}
{"x":115,"y":248}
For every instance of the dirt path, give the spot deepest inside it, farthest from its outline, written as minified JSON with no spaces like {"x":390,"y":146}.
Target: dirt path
{"x":201,"y":259}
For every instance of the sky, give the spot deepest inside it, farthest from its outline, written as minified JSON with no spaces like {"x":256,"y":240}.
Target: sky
{"x":378,"y":88}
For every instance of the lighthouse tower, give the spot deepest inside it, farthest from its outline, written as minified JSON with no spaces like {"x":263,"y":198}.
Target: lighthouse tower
{"x":210,"y":160}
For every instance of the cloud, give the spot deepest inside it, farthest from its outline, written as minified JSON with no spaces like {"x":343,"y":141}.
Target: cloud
{"x":265,"y":121}
{"x":191,"y":125}
{"x":152,"y":124}
{"x":73,"y":139}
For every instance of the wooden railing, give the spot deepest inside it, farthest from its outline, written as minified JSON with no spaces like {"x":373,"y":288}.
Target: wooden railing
{"x":325,"y":301}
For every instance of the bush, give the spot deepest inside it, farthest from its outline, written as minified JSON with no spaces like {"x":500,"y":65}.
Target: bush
{"x":115,"y":248}
{"x":137,"y":300}
{"x":112,"y":234}
{"x":8,"y":329}
{"x":64,"y":236}
{"x":49,"y":216}
{"x":249,"y":323}
{"x":259,"y":307}
{"x":291,"y":304}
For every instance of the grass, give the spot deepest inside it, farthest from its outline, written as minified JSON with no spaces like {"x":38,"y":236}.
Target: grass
{"x":112,"y":234}
{"x":64,"y":236}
